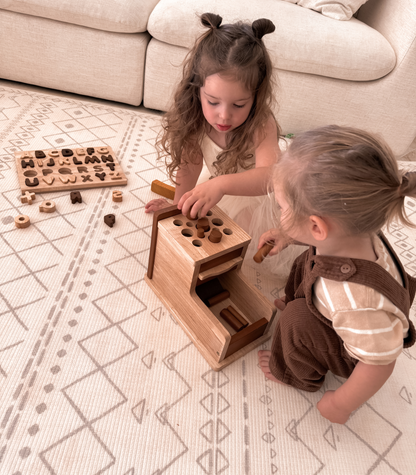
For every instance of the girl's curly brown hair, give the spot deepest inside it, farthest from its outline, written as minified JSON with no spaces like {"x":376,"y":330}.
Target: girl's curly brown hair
{"x":235,"y":50}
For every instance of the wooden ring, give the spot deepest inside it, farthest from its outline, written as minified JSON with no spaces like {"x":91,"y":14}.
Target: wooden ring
{"x":22,"y":221}
{"x":47,"y":206}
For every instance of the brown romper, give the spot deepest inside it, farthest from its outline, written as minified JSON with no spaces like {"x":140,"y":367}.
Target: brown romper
{"x":305,"y":345}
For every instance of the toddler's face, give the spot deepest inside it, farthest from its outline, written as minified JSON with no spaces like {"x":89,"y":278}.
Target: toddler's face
{"x":298,"y":232}
{"x":226,"y":103}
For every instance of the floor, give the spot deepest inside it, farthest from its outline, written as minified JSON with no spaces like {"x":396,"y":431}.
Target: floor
{"x":97,"y":376}
{"x":410,"y":155}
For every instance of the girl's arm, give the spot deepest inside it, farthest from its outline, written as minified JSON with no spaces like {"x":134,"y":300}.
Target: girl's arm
{"x":186,"y":178}
{"x":364,"y":382}
{"x":248,"y":183}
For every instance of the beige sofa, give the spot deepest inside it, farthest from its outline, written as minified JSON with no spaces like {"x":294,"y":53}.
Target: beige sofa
{"x":360,"y":72}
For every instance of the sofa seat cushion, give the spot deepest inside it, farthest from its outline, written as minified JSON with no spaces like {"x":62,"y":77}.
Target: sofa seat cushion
{"x":304,"y":41}
{"x":122,"y":16}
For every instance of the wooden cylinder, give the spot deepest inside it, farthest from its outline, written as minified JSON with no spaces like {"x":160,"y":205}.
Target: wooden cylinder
{"x":231,"y":320}
{"x":200,"y":232}
{"x":238,"y":316}
{"x":262,"y":252}
{"x":215,"y":235}
{"x":203,"y":223}
{"x":218,"y":298}
{"x":22,"y":221}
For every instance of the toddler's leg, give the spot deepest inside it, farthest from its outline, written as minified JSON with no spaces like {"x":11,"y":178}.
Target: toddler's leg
{"x":304,"y":349}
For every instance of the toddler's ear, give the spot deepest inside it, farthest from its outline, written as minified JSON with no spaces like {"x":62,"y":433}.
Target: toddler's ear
{"x":318,"y":228}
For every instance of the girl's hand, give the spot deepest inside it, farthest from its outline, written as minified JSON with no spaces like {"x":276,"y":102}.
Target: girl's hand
{"x":156,"y":205}
{"x":202,"y":198}
{"x":328,"y":409}
{"x":274,"y":236}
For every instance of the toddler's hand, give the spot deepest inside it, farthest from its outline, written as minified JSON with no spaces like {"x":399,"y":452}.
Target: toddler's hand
{"x":202,"y":198}
{"x":328,"y":409}
{"x":274,"y":236}
{"x":156,"y":205}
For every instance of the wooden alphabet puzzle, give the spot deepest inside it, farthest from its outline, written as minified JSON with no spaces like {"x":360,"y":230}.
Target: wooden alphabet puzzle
{"x":68,"y":169}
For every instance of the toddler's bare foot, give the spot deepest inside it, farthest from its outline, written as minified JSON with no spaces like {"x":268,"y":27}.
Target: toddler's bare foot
{"x":280,"y":303}
{"x":264,"y":357}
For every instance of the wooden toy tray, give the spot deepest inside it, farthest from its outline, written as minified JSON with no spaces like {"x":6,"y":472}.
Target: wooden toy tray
{"x":68,"y":169}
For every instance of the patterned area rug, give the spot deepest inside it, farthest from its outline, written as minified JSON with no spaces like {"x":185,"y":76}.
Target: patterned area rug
{"x":97,"y":377}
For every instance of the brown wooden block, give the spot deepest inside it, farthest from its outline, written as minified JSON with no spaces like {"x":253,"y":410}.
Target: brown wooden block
{"x":262,"y":252}
{"x":22,"y":221}
{"x":109,"y":220}
{"x":31,"y":183}
{"x":76,"y":197}
{"x":163,"y":189}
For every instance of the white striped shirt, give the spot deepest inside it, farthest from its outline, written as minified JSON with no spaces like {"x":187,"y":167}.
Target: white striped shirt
{"x":371,"y":326}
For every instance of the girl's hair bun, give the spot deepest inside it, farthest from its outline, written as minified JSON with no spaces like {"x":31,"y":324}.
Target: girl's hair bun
{"x":262,"y":27}
{"x":211,"y":20}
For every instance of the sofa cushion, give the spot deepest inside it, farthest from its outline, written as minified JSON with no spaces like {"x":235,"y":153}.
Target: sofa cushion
{"x":122,"y":16}
{"x":304,"y":41}
{"x":337,"y":9}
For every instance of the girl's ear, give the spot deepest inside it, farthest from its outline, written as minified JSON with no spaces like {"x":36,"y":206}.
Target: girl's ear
{"x":318,"y":228}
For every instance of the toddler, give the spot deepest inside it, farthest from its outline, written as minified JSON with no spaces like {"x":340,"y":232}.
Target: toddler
{"x":347,"y":302}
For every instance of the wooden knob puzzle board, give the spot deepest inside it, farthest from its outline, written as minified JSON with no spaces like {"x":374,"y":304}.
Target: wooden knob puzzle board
{"x":68,"y":169}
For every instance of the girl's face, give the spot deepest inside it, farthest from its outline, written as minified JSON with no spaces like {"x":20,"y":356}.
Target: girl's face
{"x":226,"y":103}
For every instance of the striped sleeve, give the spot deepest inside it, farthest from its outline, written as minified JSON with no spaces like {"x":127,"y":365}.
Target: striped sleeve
{"x":371,"y":326}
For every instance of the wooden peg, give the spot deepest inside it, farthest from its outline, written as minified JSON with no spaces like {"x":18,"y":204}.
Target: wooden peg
{"x":200,"y":233}
{"x":47,"y":207}
{"x":215,"y":235}
{"x":260,"y":255}
{"x":22,"y":221}
{"x":203,"y":223}
{"x":28,"y":197}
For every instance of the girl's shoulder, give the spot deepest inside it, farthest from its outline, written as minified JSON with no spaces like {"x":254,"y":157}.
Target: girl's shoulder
{"x":268,"y":131}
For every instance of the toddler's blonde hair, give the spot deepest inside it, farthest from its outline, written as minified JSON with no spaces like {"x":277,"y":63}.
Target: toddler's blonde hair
{"x":345,"y":174}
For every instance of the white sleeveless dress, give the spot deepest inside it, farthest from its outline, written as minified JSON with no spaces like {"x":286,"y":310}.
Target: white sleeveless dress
{"x":255,"y":214}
